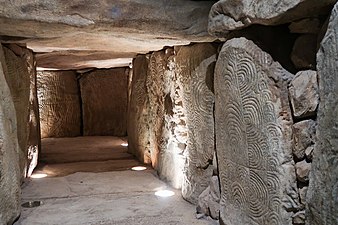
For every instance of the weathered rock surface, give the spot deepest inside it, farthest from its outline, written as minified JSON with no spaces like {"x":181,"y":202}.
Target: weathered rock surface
{"x":137,"y":111}
{"x":303,"y":137}
{"x":18,"y":80}
{"x":73,"y":60}
{"x":104,"y":95}
{"x":208,"y":201}
{"x":10,"y":193}
{"x":306,"y":26}
{"x":195,"y":72}
{"x":116,"y":26}
{"x":302,"y":171}
{"x":172,"y":97}
{"x":253,"y":137}
{"x":59,"y":104}
{"x":228,"y":15}
{"x":304,"y":52}
{"x":303,"y":92}
{"x":299,"y":218}
{"x":322,"y":195}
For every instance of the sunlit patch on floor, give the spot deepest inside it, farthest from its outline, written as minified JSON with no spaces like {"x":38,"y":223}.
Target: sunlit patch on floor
{"x":164,"y":193}
{"x":138,"y":168}
{"x":38,"y":175}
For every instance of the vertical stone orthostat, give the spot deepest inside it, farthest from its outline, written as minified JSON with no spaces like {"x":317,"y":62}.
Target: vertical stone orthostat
{"x":253,"y":137}
{"x":322,"y":195}
{"x":194,"y":70}
{"x":104,"y":96}
{"x":59,"y":104}
{"x":10,"y":193}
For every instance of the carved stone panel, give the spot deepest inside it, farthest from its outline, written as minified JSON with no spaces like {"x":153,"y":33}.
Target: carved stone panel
{"x":18,"y":80}
{"x":10,"y":193}
{"x":194,"y":70}
{"x":253,"y":137}
{"x":104,"y":95}
{"x":137,"y":111}
{"x":322,"y":195}
{"x":59,"y":104}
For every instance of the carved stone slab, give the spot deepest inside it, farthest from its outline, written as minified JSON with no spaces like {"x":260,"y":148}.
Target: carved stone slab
{"x":59,"y":104}
{"x":10,"y":193}
{"x":195,"y":70}
{"x":18,"y":80}
{"x":253,"y":137}
{"x":104,"y":95}
{"x":138,"y":110}
{"x":322,"y":195}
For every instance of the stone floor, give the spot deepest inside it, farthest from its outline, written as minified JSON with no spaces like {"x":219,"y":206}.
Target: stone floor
{"x":110,"y":195}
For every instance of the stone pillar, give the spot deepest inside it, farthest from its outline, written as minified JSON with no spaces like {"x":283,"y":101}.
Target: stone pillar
{"x":253,"y":137}
{"x":9,"y":151}
{"x":322,"y":195}
{"x":104,"y":95}
{"x":59,"y":104}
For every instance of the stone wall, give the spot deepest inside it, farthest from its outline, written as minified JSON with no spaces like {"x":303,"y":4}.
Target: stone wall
{"x":104,"y":99}
{"x":322,"y":196}
{"x":10,"y":150}
{"x":171,"y":107}
{"x":59,"y":104}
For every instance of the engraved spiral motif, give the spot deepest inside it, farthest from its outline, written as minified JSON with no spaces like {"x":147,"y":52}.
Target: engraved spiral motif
{"x":247,"y":137}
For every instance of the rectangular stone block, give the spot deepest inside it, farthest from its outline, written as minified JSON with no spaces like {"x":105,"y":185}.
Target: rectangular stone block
{"x":59,"y":104}
{"x":253,"y":137}
{"x":104,"y":95}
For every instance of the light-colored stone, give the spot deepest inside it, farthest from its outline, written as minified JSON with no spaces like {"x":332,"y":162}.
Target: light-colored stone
{"x":253,"y":137}
{"x":304,"y":51}
{"x":104,"y":96}
{"x":299,"y":218}
{"x":302,"y":171}
{"x":303,"y":137}
{"x":322,"y":195}
{"x":305,"y":26}
{"x":302,"y":194}
{"x":228,"y":15}
{"x":309,"y":153}
{"x":303,"y":92}
{"x":208,"y":201}
{"x":59,"y":104}
{"x":10,"y":175}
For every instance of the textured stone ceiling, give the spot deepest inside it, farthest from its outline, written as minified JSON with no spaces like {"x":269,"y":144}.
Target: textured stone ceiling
{"x":81,"y":33}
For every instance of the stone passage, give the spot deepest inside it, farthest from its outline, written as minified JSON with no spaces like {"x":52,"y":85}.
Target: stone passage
{"x":253,"y":137}
{"x":104,"y":96}
{"x":322,"y":195}
{"x":59,"y":104}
